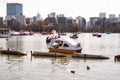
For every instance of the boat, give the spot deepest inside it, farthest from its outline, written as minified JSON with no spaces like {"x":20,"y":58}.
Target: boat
{"x":74,"y":36}
{"x":21,"y":33}
{"x":4,"y":33}
{"x":63,"y":34}
{"x":49,"y":38}
{"x":64,"y":45}
{"x":97,"y":34}
{"x":94,"y":34}
{"x":44,"y":33}
{"x":31,"y":33}
{"x":108,"y":32}
{"x":14,"y":33}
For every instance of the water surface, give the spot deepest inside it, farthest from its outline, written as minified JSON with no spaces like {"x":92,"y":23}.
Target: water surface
{"x":43,"y":68}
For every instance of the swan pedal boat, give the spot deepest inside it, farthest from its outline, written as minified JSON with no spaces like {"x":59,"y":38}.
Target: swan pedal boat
{"x":64,"y":45}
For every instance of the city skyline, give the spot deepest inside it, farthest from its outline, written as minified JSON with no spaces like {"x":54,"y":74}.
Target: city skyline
{"x":71,"y":8}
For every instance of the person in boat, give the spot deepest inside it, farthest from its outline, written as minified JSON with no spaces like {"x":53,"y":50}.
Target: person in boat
{"x":57,"y":44}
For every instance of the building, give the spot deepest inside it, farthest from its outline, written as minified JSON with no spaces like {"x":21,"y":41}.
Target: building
{"x":61,"y":20}
{"x":81,"y":21}
{"x":118,"y":18}
{"x":51,"y":15}
{"x":102,"y":15}
{"x":37,"y":18}
{"x":14,"y":9}
{"x":69,"y":21}
{"x":93,"y":21}
{"x":29,"y":21}
{"x":21,"y":19}
{"x":34,"y":19}
{"x":111,"y":16}
{"x":1,"y":20}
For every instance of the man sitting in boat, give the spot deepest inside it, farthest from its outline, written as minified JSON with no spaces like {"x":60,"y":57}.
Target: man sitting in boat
{"x":57,"y":44}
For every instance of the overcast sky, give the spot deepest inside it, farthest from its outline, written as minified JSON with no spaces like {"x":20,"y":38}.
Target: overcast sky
{"x":70,"y":8}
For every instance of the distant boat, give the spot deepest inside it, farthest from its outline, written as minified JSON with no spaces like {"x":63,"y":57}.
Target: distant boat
{"x":97,"y":34}
{"x":108,"y":32}
{"x":64,"y":45}
{"x":4,"y":33}
{"x":15,"y":33}
{"x":44,"y":33}
{"x":63,"y":34}
{"x":74,"y":36}
{"x":94,"y":34}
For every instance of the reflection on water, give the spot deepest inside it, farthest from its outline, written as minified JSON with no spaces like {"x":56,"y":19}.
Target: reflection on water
{"x":44,"y":68}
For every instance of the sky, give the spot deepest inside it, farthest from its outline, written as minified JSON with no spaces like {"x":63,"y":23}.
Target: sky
{"x":70,"y":8}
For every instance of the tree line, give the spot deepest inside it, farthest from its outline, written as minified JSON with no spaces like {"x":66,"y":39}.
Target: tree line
{"x":41,"y":26}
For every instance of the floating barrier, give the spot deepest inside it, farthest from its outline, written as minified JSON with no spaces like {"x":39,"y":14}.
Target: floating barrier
{"x":11,"y":52}
{"x":47,"y":54}
{"x":89,"y":56}
{"x":77,"y":55}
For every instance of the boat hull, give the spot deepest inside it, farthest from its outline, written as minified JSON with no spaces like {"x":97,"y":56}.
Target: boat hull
{"x":64,"y":51}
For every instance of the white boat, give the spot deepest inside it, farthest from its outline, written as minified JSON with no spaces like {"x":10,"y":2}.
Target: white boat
{"x":74,"y":36}
{"x":66,"y":45}
{"x":97,"y":34}
{"x":4,"y":33}
{"x":15,"y":33}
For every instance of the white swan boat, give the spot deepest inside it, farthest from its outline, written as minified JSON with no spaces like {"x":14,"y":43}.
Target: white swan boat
{"x":66,"y":45}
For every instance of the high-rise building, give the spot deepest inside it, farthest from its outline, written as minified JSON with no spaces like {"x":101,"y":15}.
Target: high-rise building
{"x":61,"y":20}
{"x":69,"y":21}
{"x":51,"y":15}
{"x":81,"y":21}
{"x":93,"y":20}
{"x":1,"y":19}
{"x":102,"y":15}
{"x":21,"y":19}
{"x":14,"y":9}
{"x":111,"y":16}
